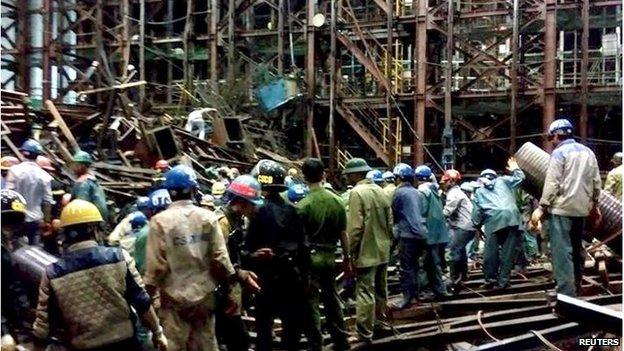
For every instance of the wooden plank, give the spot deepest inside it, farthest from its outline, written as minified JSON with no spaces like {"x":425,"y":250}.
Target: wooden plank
{"x":13,"y":148}
{"x":61,"y":123}
{"x":110,"y":167}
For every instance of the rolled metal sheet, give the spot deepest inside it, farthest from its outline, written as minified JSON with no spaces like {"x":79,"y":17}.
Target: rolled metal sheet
{"x":29,"y":263}
{"x":534,"y":162}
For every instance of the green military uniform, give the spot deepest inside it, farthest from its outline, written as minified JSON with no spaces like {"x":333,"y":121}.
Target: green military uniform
{"x":369,"y":227}
{"x":324,"y":218}
{"x":613,"y":184}
{"x":389,"y":190}
{"x":86,"y":188}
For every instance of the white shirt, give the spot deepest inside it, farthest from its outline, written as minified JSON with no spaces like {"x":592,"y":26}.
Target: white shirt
{"x":458,"y":209}
{"x":28,"y":179}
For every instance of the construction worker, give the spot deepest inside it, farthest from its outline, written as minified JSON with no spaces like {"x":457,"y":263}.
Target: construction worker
{"x":494,"y":207}
{"x":325,"y":221}
{"x":158,"y":179}
{"x":276,"y":252}
{"x":184,"y":241}
{"x":86,"y":186}
{"x":124,"y":228}
{"x":208,"y":201}
{"x":389,"y":186}
{"x":437,"y":233}
{"x":369,"y":228}
{"x":138,"y":220}
{"x":292,"y":177}
{"x":458,"y":211}
{"x":571,"y":191}
{"x":217,"y":191}
{"x":58,"y":188}
{"x":5,"y":163}
{"x":240,"y":201}
{"x":613,"y":184}
{"x":90,"y":290}
{"x":375,"y":176}
{"x":297,"y":192}
{"x":34,"y":184}
{"x":410,"y":231}
{"x":159,"y":200}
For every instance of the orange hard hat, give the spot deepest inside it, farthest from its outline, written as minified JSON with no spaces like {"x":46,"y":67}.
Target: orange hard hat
{"x":162,"y":165}
{"x":451,"y":174}
{"x":7,"y":161}
{"x":45,"y":163}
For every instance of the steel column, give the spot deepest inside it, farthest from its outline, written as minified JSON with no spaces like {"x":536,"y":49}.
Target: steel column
{"x":584,"y":63}
{"x":420,"y":53}
{"x":514,"y":76}
{"x":332,"y":86}
{"x":550,"y":67}
{"x":310,"y":77}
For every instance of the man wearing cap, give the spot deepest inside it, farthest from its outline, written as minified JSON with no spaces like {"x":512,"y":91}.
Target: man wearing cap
{"x":124,"y":227}
{"x":86,"y":186}
{"x":369,"y":228}
{"x":494,"y":207}
{"x":90,"y":290}
{"x":571,"y":191}
{"x":184,"y":246}
{"x":613,"y":184}
{"x":325,"y":222}
{"x":34,"y":184}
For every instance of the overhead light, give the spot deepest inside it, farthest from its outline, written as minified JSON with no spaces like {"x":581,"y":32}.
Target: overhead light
{"x":318,"y":20}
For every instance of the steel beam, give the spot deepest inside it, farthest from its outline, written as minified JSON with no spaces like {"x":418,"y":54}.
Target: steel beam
{"x":589,"y":314}
{"x":367,"y":62}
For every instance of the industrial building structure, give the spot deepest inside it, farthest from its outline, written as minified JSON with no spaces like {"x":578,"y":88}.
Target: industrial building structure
{"x":459,"y":83}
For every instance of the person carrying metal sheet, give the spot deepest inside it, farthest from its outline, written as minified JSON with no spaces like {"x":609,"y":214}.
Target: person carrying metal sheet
{"x":571,"y":191}
{"x":369,"y":228}
{"x":90,"y":289}
{"x":494,"y":207}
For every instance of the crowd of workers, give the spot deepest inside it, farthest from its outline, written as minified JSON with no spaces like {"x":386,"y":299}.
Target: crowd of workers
{"x":271,"y":244}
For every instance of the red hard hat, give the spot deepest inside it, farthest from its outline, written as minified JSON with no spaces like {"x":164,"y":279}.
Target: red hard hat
{"x":162,"y":165}
{"x":451,"y":174}
{"x":45,"y":163}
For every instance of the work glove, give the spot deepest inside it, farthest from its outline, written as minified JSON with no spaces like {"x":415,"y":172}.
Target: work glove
{"x":248,"y":279}
{"x":159,"y":340}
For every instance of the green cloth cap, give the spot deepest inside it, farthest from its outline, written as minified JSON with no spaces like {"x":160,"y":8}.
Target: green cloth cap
{"x":356,"y":165}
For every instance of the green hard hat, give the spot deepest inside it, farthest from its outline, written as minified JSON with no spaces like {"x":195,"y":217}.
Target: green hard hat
{"x":356,"y":165}
{"x":82,"y":157}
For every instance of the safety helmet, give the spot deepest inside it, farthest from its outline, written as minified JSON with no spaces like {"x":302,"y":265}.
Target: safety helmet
{"x":271,"y":175}
{"x":32,"y":147}
{"x":617,"y":157}
{"x":138,"y":219}
{"x":388,"y":176}
{"x":404,"y":171}
{"x":180,"y":177}
{"x":159,"y":200}
{"x":293,"y":172}
{"x":207,"y":200}
{"x":488,"y":173}
{"x":356,"y":165}
{"x":451,"y":174}
{"x":80,"y":212}
{"x":423,"y":172}
{"x":246,"y":187}
{"x":82,"y":157}
{"x":218,"y":189}
{"x":13,"y":206}
{"x":560,"y":126}
{"x":7,"y":161}
{"x":162,"y":165}
{"x":143,"y":203}
{"x":45,"y":163}
{"x":375,"y":176}
{"x":297,"y":192}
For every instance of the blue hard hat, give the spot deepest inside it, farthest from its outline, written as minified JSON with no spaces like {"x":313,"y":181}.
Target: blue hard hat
{"x":560,"y":126}
{"x":138,"y":219}
{"x":388,"y":176}
{"x":375,"y":175}
{"x":32,"y":146}
{"x":297,"y":192}
{"x":159,"y":200}
{"x":143,"y":203}
{"x":246,"y":187}
{"x":403,"y":171}
{"x":423,"y":172}
{"x":180,"y":177}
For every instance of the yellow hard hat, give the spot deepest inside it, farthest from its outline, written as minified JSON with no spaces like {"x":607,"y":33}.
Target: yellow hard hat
{"x":80,"y":212}
{"x":218,"y":189}
{"x":7,"y":161}
{"x":293,"y":172}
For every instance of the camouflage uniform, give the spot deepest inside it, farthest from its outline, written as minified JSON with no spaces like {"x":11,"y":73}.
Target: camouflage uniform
{"x":183,"y":242}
